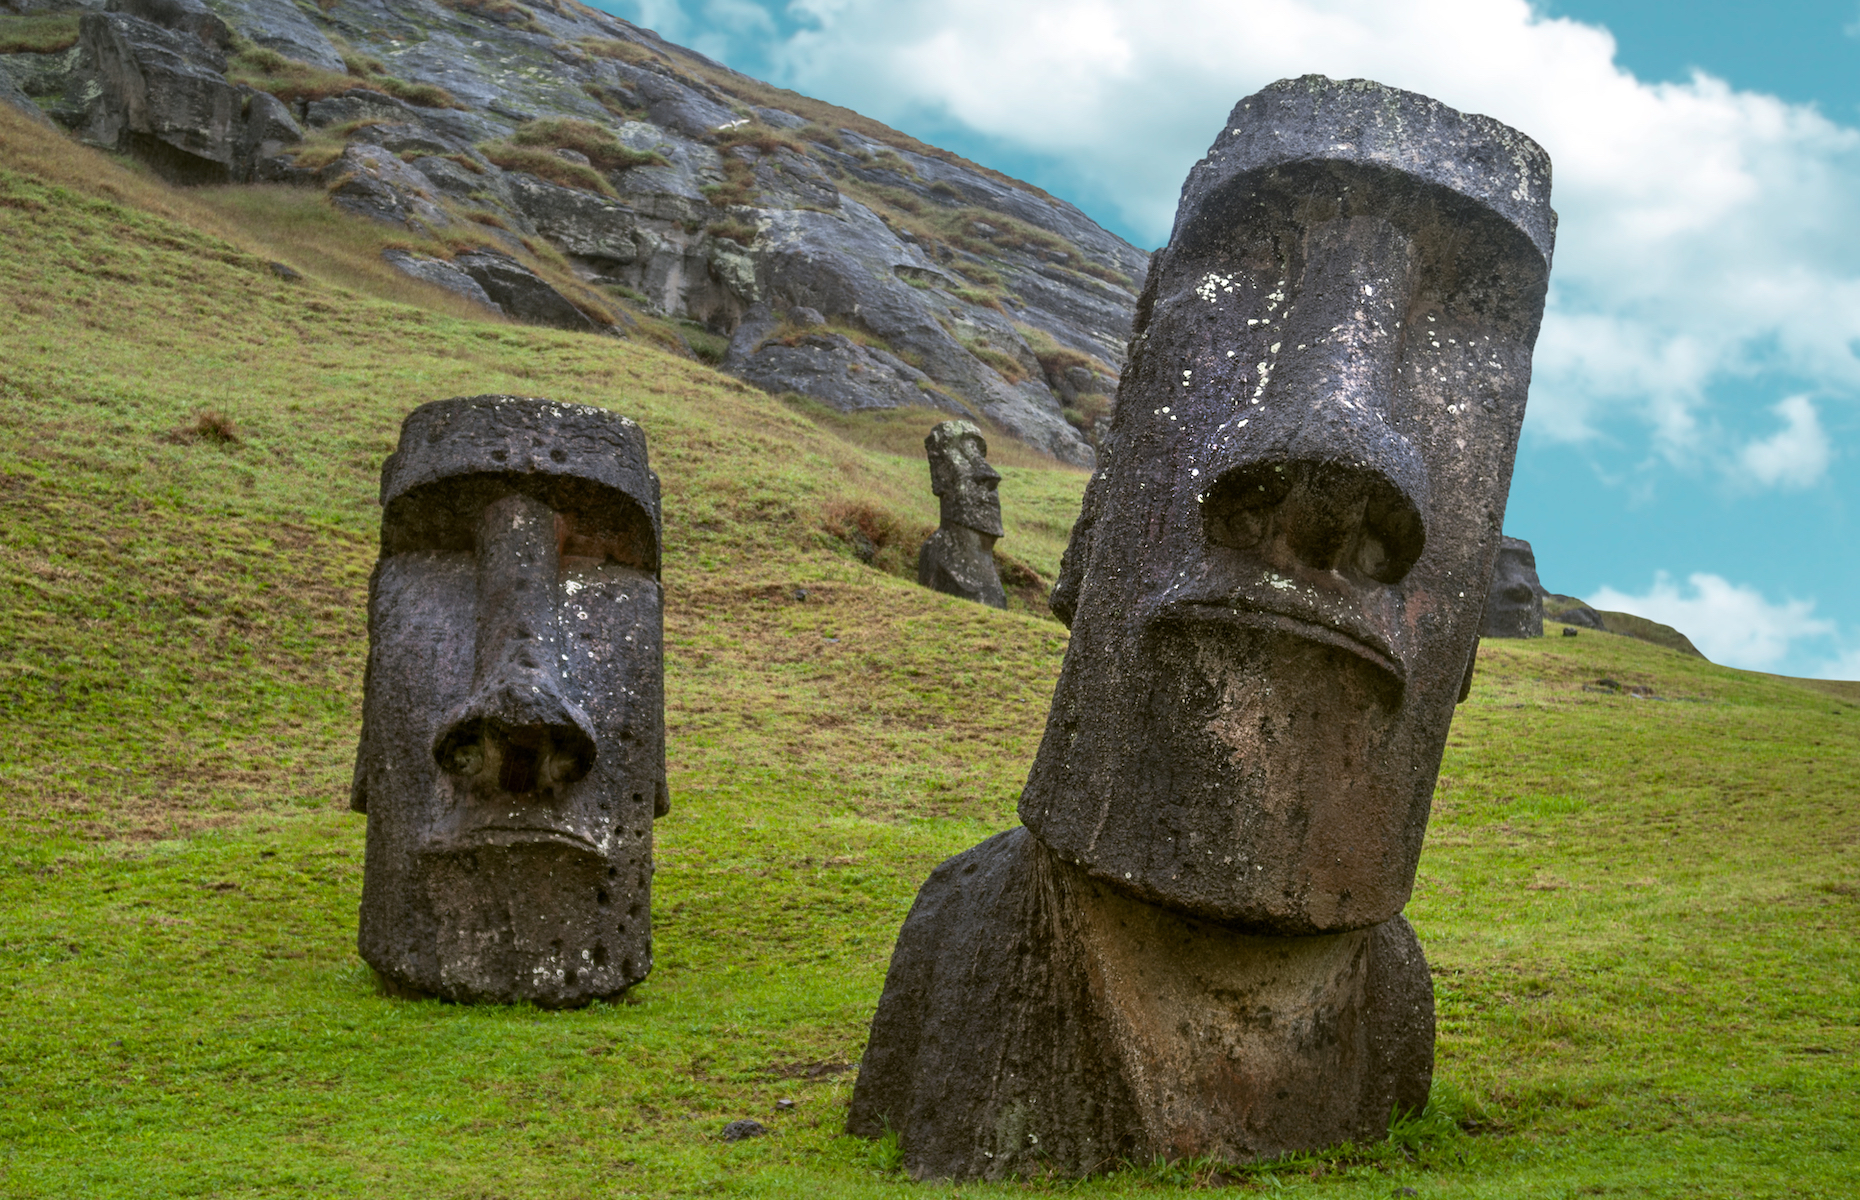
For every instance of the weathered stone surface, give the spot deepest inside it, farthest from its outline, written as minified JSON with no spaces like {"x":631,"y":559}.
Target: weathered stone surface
{"x":182,"y":16}
{"x":512,"y":755}
{"x":13,"y":97}
{"x":1275,"y":587}
{"x":440,"y":273}
{"x":162,"y":96}
{"x":372,"y":182}
{"x":847,"y":264}
{"x":1281,"y":569}
{"x":959,"y":558}
{"x":827,"y":366}
{"x":279,"y":25}
{"x":1035,"y":1019}
{"x":1514,"y":604}
{"x":521,"y":293}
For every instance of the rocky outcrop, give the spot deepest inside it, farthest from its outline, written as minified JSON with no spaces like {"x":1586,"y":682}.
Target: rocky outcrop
{"x":938,"y":284}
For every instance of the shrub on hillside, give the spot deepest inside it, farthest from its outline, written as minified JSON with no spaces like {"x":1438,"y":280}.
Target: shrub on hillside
{"x":876,"y":536}
{"x":546,"y":164}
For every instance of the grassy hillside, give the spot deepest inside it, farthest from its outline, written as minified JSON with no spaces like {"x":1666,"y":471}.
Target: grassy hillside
{"x":1639,"y":896}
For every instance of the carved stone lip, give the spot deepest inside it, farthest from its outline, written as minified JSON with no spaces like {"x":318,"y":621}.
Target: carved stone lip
{"x":510,"y":836}
{"x":1360,"y":640}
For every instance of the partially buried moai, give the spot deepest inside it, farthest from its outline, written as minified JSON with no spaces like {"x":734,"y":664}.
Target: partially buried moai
{"x":1514,"y":603}
{"x":512,"y":755}
{"x":1194,"y":946}
{"x":959,"y":558}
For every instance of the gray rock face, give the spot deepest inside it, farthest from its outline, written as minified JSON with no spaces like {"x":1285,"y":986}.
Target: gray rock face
{"x":1514,"y":604}
{"x":959,"y":558}
{"x":372,"y":182}
{"x":18,"y":100}
{"x":521,"y":293}
{"x":1275,"y":586}
{"x":512,"y":755}
{"x":279,"y":25}
{"x":163,"y":96}
{"x":440,"y":273}
{"x":745,"y":208}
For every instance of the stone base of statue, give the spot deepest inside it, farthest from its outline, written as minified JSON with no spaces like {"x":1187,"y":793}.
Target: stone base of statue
{"x":1037,"y":1020}
{"x":959,"y":561}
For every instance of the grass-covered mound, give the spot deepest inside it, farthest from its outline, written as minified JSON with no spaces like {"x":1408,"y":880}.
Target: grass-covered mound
{"x":1639,"y":897}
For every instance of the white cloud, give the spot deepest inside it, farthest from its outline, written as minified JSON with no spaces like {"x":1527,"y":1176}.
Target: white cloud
{"x":1706,"y":236}
{"x":1796,"y":455}
{"x":1733,"y":624}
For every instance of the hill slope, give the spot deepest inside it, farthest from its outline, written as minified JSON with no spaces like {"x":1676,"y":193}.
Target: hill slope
{"x":1640,"y":901}
{"x":570,"y":169}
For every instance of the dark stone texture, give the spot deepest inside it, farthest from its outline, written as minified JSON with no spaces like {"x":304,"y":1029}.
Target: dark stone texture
{"x":279,"y":25}
{"x":1514,"y":604}
{"x":827,"y":366}
{"x":439,"y":273}
{"x":162,"y":96}
{"x":1281,"y":570}
{"x":521,"y":293}
{"x":1035,"y":1019}
{"x":19,"y":101}
{"x":372,"y":182}
{"x":1275,"y":588}
{"x":737,"y":1131}
{"x":959,"y":558}
{"x":182,"y":16}
{"x":512,"y":754}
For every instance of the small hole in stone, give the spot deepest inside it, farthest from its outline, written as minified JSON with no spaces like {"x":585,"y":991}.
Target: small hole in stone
{"x":626,"y":967}
{"x":612,"y":871}
{"x":601,"y":897}
{"x":600,"y":954}
{"x":500,"y":455}
{"x":572,"y":978}
{"x":559,"y":454}
{"x":633,"y":911}
{"x":638,"y":798}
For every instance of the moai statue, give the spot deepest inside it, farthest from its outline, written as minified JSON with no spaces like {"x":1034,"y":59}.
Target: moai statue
{"x":959,"y":558}
{"x":1514,"y":605}
{"x":512,"y":755}
{"x":1195,"y":946}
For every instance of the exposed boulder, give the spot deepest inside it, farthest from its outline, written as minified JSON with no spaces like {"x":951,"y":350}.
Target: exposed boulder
{"x":440,"y":273}
{"x":827,"y":366}
{"x":370,"y":182}
{"x":13,"y":97}
{"x":162,"y":96}
{"x":521,"y":293}
{"x":182,"y":16}
{"x":281,"y":26}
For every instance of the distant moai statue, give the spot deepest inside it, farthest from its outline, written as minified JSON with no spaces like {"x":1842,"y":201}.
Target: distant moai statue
{"x":959,"y":558}
{"x":1195,"y":946}
{"x":512,"y":754}
{"x":1514,"y":604}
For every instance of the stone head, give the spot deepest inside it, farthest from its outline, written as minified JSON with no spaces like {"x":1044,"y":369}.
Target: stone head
{"x":512,"y":754}
{"x":962,"y":479}
{"x":1514,"y":604}
{"x":1276,"y":580}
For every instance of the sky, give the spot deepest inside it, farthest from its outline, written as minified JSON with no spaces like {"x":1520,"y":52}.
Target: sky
{"x":1692,"y":445}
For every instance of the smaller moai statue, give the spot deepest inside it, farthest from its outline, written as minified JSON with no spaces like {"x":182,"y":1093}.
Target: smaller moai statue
{"x":1514,"y":604}
{"x":959,"y":558}
{"x":512,"y":755}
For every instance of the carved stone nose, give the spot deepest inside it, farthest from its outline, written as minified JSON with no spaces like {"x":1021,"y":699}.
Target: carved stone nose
{"x":518,"y":734}
{"x":1311,"y":471}
{"x":1326,"y":516}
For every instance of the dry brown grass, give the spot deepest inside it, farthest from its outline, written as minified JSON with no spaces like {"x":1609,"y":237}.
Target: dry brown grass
{"x":605,"y":151}
{"x":39,"y":34}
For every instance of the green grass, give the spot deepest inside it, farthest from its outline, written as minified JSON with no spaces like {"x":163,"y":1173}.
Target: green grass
{"x":45,"y":33}
{"x":1639,"y":902}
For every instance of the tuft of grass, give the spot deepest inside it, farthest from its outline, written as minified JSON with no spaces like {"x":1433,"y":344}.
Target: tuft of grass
{"x":741,"y":232}
{"x":504,"y":12}
{"x":209,"y":426}
{"x":546,"y":164}
{"x":43,"y":33}
{"x":605,"y":151}
{"x":292,"y":81}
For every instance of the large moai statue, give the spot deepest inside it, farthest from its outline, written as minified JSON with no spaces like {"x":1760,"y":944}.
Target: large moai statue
{"x":1195,"y":946}
{"x":1514,"y":604}
{"x":512,"y":754}
{"x":959,"y":558}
